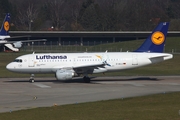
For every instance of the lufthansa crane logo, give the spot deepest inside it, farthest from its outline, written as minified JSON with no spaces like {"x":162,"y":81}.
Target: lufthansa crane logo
{"x":6,"y":25}
{"x":158,"y":38}
{"x":99,"y":57}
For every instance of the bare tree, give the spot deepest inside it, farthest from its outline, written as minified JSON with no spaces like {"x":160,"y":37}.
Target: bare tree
{"x":27,"y":13}
{"x":73,"y":13}
{"x":112,"y":13}
{"x":91,"y":14}
{"x":138,"y":14}
{"x":56,"y":8}
{"x":28,"y":16}
{"x":5,"y":7}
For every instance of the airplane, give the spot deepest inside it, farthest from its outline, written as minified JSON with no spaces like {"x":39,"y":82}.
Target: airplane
{"x":5,"y":37}
{"x":65,"y":66}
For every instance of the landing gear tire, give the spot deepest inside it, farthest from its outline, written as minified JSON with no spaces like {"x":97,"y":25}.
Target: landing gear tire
{"x":86,"y":79}
{"x":31,"y":80}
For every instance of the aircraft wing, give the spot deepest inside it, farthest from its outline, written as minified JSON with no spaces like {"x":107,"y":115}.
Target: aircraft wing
{"x":80,"y":68}
{"x":88,"y":65}
{"x":88,"y":68}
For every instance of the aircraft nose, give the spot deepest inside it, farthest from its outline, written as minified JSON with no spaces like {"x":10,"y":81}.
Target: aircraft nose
{"x":9,"y":67}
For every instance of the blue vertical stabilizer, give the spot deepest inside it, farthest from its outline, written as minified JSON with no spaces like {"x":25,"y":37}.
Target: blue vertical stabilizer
{"x":5,"y":26}
{"x":156,"y":41}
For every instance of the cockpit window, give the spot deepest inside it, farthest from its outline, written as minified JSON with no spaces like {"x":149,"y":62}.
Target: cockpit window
{"x":18,"y":60}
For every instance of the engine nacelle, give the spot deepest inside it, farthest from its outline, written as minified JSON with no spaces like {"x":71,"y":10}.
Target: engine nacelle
{"x":64,"y":75}
{"x":17,"y":44}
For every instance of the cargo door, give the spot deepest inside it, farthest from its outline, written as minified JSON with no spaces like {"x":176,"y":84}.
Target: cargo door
{"x":31,"y":61}
{"x":134,"y":60}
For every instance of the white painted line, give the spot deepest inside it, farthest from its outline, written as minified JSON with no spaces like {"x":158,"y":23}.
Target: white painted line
{"x":41,"y":85}
{"x":122,"y":83}
{"x":137,"y":84}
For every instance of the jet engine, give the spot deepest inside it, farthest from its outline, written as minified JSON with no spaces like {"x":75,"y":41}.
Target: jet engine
{"x":64,"y":75}
{"x":17,"y":44}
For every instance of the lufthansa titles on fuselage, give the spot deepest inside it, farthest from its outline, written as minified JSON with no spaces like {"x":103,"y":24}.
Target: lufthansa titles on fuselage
{"x":41,"y":57}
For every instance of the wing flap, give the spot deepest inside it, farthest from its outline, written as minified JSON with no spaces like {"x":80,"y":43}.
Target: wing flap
{"x":88,"y":65}
{"x":82,"y":67}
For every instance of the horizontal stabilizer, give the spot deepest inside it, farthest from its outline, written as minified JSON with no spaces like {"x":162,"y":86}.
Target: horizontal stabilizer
{"x":160,"y":57}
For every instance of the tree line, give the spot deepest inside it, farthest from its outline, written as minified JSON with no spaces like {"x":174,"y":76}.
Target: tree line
{"x":90,"y":15}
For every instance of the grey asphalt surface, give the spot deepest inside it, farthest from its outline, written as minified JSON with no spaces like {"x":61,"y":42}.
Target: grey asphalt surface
{"x":18,"y":93}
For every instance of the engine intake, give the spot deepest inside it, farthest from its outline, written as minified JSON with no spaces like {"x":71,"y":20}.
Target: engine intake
{"x":17,"y":44}
{"x":64,"y":75}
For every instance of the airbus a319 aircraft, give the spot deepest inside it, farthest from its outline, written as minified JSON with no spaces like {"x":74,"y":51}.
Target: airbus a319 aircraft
{"x":6,"y":40}
{"x":65,"y":66}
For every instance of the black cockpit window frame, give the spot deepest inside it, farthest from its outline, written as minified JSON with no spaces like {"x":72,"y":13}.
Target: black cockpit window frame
{"x":18,"y":60}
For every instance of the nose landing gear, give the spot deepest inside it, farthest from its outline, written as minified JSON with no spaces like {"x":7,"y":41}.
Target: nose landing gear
{"x":31,"y":80}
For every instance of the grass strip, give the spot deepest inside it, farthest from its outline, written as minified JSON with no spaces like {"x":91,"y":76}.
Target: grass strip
{"x":165,"y":106}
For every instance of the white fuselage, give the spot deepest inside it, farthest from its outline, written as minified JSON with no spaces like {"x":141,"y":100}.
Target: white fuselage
{"x":81,"y":62}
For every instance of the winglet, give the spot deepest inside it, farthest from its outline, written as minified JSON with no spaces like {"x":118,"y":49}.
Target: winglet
{"x":5,"y":26}
{"x":155,"y":42}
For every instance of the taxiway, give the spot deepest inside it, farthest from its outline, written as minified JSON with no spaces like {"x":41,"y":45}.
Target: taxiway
{"x":18,"y":93}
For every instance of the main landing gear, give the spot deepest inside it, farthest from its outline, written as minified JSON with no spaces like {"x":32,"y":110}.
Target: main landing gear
{"x":31,"y":80}
{"x":86,"y":79}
